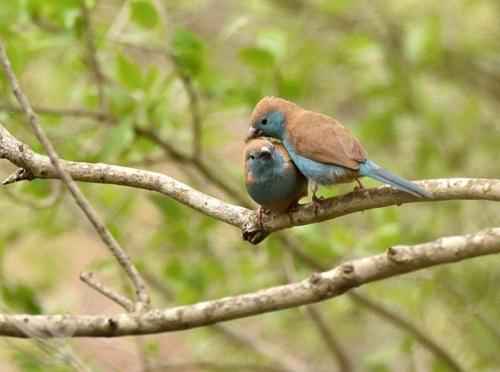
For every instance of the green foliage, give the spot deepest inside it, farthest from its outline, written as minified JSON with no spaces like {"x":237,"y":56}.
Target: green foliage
{"x":188,"y":51}
{"x":128,"y":73}
{"x":257,"y":57}
{"x":144,"y":13}
{"x":415,"y":81}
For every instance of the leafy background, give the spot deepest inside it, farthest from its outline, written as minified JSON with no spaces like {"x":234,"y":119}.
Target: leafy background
{"x":418,"y":82}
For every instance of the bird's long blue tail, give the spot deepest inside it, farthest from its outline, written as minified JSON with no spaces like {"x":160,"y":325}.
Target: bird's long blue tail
{"x":370,"y":169}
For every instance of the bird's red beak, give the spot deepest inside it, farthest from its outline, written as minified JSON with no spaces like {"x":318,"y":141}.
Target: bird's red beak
{"x":252,"y":133}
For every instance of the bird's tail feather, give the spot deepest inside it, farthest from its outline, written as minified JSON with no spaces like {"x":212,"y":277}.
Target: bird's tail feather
{"x":370,"y":169}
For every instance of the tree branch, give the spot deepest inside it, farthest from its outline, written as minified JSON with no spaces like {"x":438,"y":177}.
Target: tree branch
{"x":88,"y":278}
{"x":38,"y":166}
{"x":330,"y":339}
{"x":318,"y":287}
{"x":378,"y":308}
{"x":81,"y":201}
{"x":92,"y":56}
{"x":280,"y":360}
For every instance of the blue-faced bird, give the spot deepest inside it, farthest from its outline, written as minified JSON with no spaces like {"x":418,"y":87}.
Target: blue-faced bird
{"x":322,"y":148}
{"x":271,"y":178}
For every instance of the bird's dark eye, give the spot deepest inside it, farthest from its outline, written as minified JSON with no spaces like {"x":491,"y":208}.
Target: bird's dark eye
{"x":264,"y":121}
{"x":252,"y":157}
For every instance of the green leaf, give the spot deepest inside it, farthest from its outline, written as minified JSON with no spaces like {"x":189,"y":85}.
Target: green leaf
{"x":174,"y":269}
{"x":20,"y":296}
{"x":274,"y":40}
{"x":257,"y":57}
{"x":117,"y":139}
{"x":188,"y":51}
{"x":144,"y":13}
{"x":128,"y":73}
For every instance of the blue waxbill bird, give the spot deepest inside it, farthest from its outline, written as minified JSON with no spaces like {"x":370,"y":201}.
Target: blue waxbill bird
{"x":271,"y":178}
{"x":322,"y":148}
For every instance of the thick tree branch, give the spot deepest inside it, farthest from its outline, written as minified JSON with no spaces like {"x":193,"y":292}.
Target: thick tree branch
{"x":34,"y":165}
{"x":280,"y":360}
{"x":381,"y":310}
{"x":80,"y":199}
{"x":318,"y":287}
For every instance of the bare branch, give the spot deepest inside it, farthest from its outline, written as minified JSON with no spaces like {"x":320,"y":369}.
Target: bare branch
{"x":209,"y":173}
{"x":38,"y":166}
{"x":281,"y":360}
{"x":421,"y":336}
{"x":318,"y":287}
{"x":379,"y":309}
{"x":330,"y":339}
{"x":194,"y":108}
{"x":88,"y":278}
{"x":104,"y":233}
{"x":92,"y":56}
{"x":47,"y":202}
{"x":71,"y":112}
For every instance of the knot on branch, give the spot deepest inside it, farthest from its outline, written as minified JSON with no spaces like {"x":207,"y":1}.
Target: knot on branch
{"x":399,"y":255}
{"x":252,"y":231}
{"x":343,"y":279}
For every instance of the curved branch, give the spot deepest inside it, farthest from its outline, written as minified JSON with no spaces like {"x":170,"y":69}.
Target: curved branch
{"x":318,"y":287}
{"x":34,"y":165}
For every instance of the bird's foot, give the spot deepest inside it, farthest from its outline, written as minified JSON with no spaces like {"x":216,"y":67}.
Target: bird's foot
{"x":359,"y":187}
{"x":315,"y":200}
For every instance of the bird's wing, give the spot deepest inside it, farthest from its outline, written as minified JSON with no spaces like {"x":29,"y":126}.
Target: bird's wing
{"x":322,"y":138}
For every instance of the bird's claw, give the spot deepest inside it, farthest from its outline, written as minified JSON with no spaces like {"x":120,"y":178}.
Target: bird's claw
{"x":315,"y":201}
{"x":359,"y":187}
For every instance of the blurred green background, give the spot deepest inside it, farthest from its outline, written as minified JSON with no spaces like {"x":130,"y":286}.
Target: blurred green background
{"x":418,"y":82}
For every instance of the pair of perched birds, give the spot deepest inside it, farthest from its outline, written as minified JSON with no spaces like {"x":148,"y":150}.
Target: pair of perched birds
{"x":313,"y":147}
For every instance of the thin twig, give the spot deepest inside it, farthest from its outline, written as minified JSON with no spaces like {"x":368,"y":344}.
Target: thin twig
{"x":337,"y":350}
{"x":330,"y":339}
{"x":104,"y":233}
{"x":395,"y":261}
{"x":194,"y":108}
{"x":49,"y":201}
{"x":488,"y":324}
{"x":88,"y":278}
{"x":92,"y":56}
{"x":71,"y":112}
{"x":424,"y":338}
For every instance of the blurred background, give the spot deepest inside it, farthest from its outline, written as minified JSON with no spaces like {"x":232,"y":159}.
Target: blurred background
{"x":169,"y":86}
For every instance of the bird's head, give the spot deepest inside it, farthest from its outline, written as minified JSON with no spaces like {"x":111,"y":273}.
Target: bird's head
{"x":269,"y":118}
{"x":259,"y":155}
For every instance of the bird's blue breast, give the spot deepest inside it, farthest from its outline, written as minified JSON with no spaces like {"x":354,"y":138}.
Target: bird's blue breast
{"x":322,"y":173}
{"x":273,"y":184}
